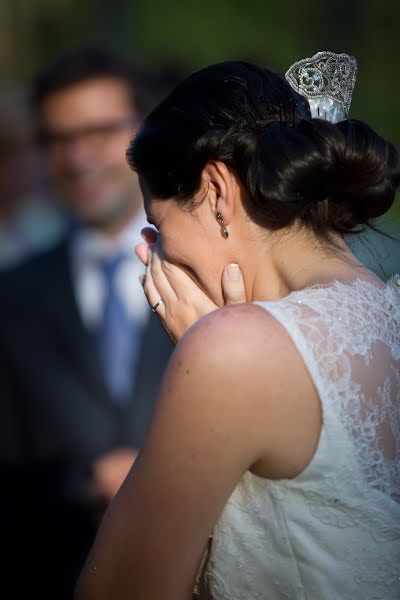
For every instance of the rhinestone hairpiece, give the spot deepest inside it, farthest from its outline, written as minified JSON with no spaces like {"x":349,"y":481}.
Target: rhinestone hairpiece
{"x":327,"y":81}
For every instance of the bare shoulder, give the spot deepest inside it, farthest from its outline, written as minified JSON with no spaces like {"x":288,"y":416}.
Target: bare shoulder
{"x":235,"y":336}
{"x":240,"y":365}
{"x":237,"y":316}
{"x":237,"y":358}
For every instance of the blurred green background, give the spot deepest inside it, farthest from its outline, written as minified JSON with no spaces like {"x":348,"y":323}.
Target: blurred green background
{"x":172,"y":38}
{"x":181,"y":35}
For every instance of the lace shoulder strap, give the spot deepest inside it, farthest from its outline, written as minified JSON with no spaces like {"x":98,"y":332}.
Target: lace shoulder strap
{"x":349,"y":338}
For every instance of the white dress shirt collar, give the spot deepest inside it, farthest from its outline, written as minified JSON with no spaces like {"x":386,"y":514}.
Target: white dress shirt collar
{"x":88,"y":249}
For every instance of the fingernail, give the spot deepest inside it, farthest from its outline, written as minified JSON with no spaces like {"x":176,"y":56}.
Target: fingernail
{"x":233,"y":272}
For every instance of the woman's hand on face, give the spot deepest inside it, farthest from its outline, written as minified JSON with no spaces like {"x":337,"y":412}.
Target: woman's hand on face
{"x":183,"y":302}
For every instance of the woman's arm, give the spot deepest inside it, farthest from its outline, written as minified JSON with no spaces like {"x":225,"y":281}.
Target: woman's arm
{"x":216,"y":416}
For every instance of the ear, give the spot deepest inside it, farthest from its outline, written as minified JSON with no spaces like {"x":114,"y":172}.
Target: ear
{"x":222,"y":187}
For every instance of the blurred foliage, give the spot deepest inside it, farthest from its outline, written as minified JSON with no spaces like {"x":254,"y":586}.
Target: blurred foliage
{"x":182,"y":36}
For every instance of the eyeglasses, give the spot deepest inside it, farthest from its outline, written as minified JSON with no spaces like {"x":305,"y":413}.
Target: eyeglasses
{"x":92,"y":134}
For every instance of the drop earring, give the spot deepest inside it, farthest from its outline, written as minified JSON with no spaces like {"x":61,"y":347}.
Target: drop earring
{"x":225,"y":232}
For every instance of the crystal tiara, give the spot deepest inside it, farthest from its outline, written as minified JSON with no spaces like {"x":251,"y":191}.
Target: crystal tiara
{"x":327,"y":81}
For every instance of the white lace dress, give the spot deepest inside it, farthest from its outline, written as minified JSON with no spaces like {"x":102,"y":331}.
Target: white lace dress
{"x":333,"y":532}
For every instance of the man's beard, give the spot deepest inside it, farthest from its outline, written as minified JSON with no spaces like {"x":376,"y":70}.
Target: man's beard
{"x":114,"y":216}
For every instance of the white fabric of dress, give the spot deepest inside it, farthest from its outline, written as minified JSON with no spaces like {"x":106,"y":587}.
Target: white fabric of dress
{"x":333,"y":532}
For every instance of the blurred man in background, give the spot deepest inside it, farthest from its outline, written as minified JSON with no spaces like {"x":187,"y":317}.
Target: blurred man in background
{"x":80,"y":359}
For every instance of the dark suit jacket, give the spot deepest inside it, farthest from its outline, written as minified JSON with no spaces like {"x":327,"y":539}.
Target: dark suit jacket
{"x":56,"y":417}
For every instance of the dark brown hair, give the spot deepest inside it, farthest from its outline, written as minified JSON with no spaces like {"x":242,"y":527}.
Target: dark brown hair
{"x":329,"y":177}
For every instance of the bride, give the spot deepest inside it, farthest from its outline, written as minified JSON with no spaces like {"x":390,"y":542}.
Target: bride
{"x":277,"y":426}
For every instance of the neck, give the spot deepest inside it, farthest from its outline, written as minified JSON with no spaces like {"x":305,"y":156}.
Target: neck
{"x":294,"y":260}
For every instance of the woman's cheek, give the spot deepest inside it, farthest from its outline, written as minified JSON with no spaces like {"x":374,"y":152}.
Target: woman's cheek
{"x":197,"y":263}
{"x":175,"y":250}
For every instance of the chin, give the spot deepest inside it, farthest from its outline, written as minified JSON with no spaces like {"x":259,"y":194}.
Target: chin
{"x":102,"y":214}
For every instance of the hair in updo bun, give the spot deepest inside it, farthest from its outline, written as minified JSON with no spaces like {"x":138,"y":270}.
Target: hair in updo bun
{"x":329,"y":177}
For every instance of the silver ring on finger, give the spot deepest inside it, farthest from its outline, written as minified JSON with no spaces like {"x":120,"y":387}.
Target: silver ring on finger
{"x":157,"y":304}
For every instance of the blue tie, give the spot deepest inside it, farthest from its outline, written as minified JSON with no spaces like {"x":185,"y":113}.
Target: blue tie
{"x":116,"y":336}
